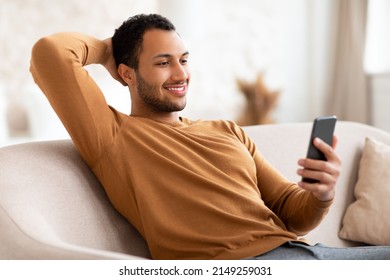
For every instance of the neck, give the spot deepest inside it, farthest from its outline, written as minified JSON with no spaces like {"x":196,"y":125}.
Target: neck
{"x":163,"y":117}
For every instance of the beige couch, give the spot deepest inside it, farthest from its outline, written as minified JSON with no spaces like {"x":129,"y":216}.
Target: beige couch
{"x":52,"y":207}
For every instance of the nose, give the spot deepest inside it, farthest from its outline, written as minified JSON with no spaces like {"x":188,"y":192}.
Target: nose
{"x":180,"y":72}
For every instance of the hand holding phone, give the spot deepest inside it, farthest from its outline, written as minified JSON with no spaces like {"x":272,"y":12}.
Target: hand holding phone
{"x":323,"y":128}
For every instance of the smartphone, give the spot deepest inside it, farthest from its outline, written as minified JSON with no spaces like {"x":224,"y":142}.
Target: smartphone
{"x":323,"y":128}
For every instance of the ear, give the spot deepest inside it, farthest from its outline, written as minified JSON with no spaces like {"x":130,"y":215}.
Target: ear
{"x":127,"y":74}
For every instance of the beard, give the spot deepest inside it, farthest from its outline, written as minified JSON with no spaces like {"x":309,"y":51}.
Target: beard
{"x":151,"y":96}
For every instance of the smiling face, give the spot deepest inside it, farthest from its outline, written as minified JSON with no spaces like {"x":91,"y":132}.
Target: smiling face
{"x":159,"y":85}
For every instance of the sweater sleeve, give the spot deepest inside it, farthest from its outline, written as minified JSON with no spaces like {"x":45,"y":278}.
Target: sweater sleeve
{"x":57,"y":66}
{"x":299,"y":210}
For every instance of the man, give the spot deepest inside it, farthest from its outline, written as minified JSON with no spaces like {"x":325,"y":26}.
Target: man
{"x":193,"y":189}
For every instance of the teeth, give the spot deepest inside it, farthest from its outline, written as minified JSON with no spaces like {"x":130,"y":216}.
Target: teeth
{"x":176,"y":89}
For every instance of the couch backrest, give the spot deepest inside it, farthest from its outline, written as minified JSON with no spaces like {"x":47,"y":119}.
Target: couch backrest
{"x":284,"y":144}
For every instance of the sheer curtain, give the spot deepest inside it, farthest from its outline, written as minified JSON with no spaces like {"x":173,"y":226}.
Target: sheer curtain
{"x":348,"y":85}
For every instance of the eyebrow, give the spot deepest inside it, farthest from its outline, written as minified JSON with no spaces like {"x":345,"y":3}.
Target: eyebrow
{"x":167,"y":55}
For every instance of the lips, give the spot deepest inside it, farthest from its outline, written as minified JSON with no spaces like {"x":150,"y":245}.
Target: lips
{"x":176,"y":90}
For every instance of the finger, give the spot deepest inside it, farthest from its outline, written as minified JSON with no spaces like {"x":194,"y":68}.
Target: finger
{"x":321,"y":176}
{"x":312,"y":187}
{"x":309,"y":166}
{"x":314,"y":164}
{"x":327,"y":149}
{"x":320,"y":166}
{"x":335,"y":141}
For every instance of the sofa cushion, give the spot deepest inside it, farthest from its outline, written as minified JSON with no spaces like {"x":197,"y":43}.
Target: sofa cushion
{"x":366,"y":219}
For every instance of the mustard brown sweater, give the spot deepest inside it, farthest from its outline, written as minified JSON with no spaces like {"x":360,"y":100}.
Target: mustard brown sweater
{"x":194,"y":190}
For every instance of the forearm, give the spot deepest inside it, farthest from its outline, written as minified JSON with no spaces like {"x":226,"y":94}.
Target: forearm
{"x":75,"y":47}
{"x":299,"y":210}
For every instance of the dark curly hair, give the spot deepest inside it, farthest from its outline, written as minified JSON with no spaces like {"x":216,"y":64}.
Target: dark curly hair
{"x":127,"y":39}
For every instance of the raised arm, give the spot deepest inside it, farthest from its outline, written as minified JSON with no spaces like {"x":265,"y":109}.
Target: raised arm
{"x":57,"y":67}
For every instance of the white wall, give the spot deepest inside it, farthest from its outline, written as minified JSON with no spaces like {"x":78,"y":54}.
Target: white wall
{"x":22,"y":22}
{"x":227,"y":39}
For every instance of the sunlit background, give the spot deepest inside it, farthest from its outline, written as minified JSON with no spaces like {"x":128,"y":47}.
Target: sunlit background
{"x":322,"y":56}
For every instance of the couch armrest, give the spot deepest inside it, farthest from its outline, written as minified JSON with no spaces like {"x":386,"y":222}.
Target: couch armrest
{"x":52,"y":206}
{"x":17,"y":244}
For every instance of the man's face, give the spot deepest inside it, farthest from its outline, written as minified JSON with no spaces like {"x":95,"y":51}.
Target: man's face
{"x":163,"y":76}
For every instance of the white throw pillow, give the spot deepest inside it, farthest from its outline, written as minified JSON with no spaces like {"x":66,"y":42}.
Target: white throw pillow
{"x":367,"y":219}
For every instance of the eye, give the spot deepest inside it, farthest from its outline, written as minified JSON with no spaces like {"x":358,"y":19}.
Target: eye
{"x":163,"y":63}
{"x":184,"y":61}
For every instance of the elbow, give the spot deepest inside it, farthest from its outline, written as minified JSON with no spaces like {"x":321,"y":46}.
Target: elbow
{"x":42,"y":49}
{"x":46,"y":54}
